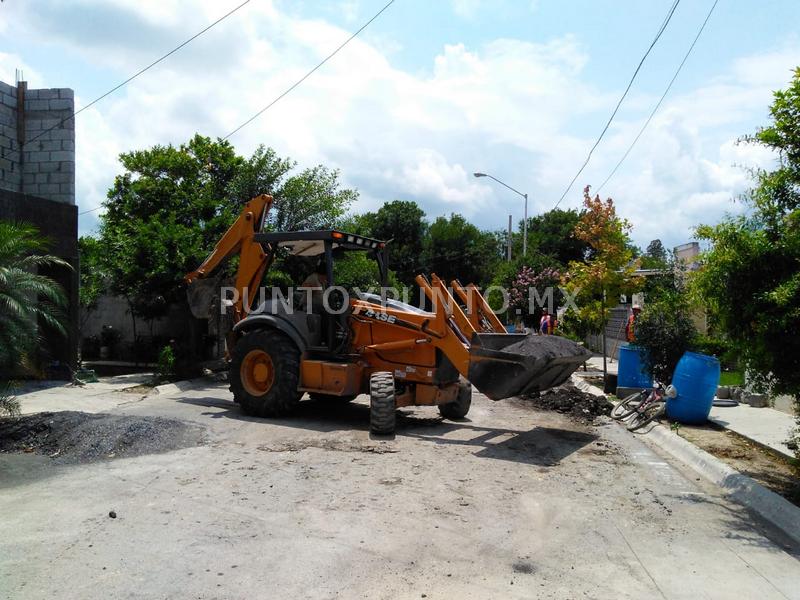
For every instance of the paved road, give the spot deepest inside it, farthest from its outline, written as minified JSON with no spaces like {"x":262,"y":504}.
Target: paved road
{"x":513,"y":503}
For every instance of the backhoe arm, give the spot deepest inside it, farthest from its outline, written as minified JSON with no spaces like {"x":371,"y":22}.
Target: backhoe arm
{"x":252,"y":258}
{"x":480,"y":314}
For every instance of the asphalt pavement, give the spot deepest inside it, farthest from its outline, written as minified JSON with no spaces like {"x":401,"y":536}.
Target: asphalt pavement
{"x":510,"y":503}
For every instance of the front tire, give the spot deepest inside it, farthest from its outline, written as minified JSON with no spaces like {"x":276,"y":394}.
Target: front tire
{"x":459,"y":408}
{"x":265,"y":373}
{"x":382,"y":404}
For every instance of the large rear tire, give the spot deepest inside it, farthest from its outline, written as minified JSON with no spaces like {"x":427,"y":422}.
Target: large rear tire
{"x":382,"y":404}
{"x":265,"y":373}
{"x":459,"y":408}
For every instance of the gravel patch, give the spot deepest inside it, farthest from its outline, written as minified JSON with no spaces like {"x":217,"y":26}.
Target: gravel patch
{"x":567,"y":399}
{"x":546,"y":346}
{"x":77,"y":437}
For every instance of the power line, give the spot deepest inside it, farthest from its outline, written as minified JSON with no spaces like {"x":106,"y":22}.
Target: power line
{"x":288,"y":90}
{"x":627,"y":89}
{"x":311,"y":72}
{"x":664,"y":95}
{"x":135,"y":75}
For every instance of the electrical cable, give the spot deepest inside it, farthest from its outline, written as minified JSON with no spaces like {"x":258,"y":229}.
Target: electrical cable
{"x":627,"y":89}
{"x":135,"y":75}
{"x":664,"y":95}
{"x":290,"y":88}
{"x":311,"y":72}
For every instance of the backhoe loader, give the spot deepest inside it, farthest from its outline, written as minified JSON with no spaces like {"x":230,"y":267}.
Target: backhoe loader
{"x":397,"y":353}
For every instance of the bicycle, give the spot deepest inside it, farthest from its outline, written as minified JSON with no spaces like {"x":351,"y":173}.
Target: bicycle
{"x":644,"y":406}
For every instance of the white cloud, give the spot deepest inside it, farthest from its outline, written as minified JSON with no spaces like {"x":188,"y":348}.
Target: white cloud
{"x":508,"y":107}
{"x":11,"y":63}
{"x":466,"y":8}
{"x":429,"y":175}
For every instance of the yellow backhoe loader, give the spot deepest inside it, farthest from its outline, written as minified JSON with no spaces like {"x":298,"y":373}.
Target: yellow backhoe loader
{"x":399,"y":354}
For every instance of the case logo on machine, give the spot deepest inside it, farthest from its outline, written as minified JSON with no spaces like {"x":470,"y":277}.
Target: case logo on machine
{"x":380,"y":316}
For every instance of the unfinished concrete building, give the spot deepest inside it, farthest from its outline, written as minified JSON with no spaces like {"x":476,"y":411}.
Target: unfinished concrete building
{"x":37,"y":185}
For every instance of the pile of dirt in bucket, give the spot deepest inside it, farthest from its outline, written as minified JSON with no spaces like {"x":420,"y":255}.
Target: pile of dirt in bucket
{"x":76,"y":437}
{"x":546,"y":346}
{"x":569,"y":400}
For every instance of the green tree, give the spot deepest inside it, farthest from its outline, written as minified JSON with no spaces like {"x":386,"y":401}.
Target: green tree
{"x":507,"y":276}
{"x":609,"y":271}
{"x":750,"y":276}
{"x":312,"y":199}
{"x":665,"y":330}
{"x":403,"y":223}
{"x":455,"y":248}
{"x":93,"y":277}
{"x":171,"y":205}
{"x":553,"y":234}
{"x":655,"y":257}
{"x":28,"y":300}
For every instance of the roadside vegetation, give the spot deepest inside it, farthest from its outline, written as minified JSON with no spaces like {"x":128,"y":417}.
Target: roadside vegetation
{"x":29,"y":303}
{"x":750,"y":279}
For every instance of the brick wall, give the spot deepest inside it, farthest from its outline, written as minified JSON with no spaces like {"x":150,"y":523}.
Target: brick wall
{"x":32,"y":162}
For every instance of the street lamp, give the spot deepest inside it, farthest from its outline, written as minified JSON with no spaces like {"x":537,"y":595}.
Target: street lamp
{"x":525,"y":222}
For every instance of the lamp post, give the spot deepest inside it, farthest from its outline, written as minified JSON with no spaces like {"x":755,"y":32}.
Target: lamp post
{"x":525,"y":222}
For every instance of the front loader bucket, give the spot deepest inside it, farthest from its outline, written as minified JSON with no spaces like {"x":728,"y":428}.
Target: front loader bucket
{"x":502,"y":365}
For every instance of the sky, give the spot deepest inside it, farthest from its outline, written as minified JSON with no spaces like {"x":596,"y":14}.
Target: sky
{"x":429,"y":93}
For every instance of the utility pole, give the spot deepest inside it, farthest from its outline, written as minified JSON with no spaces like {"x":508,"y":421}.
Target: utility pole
{"x":525,"y":222}
{"x":525,"y":229}
{"x":509,"y":238}
{"x":605,"y":365}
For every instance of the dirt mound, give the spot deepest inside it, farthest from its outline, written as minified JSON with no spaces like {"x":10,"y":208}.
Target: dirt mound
{"x":567,"y":399}
{"x":71,"y":437}
{"x":546,"y":346}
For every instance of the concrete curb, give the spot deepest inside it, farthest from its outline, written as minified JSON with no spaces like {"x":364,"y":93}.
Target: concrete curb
{"x":183,"y":386}
{"x":769,"y":505}
{"x":741,"y":488}
{"x":584,"y":386}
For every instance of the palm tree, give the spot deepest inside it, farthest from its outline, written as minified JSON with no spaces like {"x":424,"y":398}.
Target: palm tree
{"x":27,"y":299}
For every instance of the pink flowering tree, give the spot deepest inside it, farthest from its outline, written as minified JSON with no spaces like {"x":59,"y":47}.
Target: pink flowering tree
{"x":531,"y":291}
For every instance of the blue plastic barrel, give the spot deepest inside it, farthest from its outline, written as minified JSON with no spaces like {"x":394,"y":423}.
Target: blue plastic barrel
{"x":631,"y":372}
{"x":696,"y":379}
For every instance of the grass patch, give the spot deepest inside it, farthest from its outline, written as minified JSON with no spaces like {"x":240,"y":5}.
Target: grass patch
{"x":731,"y":378}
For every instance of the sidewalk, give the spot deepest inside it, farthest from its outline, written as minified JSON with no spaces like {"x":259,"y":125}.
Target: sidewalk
{"x":41,"y":396}
{"x":596,"y":363}
{"x":764,"y":426}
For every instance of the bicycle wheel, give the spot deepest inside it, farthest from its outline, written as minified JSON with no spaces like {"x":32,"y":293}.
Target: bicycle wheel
{"x":646,"y":415}
{"x":626,"y":407}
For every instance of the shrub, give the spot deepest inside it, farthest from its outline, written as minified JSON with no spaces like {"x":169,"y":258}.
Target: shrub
{"x":718,"y":347}
{"x":9,"y":405}
{"x":665,"y":331}
{"x":166,"y":363}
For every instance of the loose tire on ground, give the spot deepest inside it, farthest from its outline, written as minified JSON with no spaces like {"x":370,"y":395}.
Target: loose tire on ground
{"x":265,"y":373}
{"x":382,"y":403}
{"x":459,"y":408}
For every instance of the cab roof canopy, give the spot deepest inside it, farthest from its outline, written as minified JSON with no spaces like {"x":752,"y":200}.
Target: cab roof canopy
{"x":312,"y":243}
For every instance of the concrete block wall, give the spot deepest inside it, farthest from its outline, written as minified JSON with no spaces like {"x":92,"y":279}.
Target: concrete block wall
{"x":43,"y":164}
{"x":10,"y":169}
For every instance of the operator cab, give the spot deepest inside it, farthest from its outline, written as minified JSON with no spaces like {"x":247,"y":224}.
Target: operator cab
{"x":327,"y":332}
